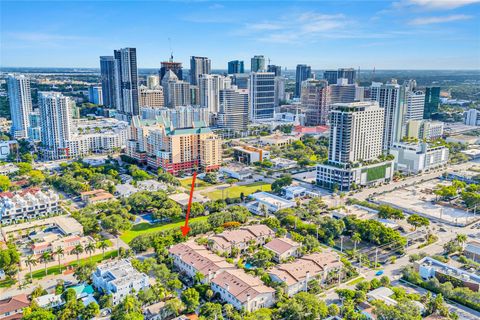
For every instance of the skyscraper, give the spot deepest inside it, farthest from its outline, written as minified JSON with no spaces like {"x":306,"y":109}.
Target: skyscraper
{"x":20,"y":100}
{"x":347,"y":73}
{"x":153,"y":81}
{"x":233,"y":111}
{"x":209,"y":86}
{"x":56,"y":123}
{"x":95,"y":95}
{"x":176,"y":92}
{"x":126,"y":83}
{"x":303,"y":73}
{"x":152,"y":97}
{"x":415,"y":100}
{"x":262,"y":96}
{"x":107,"y":78}
{"x":257,"y":64}
{"x":198,"y":66}
{"x":315,"y":99}
{"x":235,"y":66}
{"x":279,"y":90}
{"x":176,"y":68}
{"x":342,"y":92}
{"x":390,"y":96}
{"x":331,"y":76}
{"x":275,"y":69}
{"x":432,"y":101}
{"x":355,"y":139}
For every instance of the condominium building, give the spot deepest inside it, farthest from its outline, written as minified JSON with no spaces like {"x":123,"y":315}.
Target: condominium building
{"x":236,"y":66}
{"x":153,"y":81}
{"x":126,"y":83}
{"x":233,"y":110}
{"x":418,"y":157}
{"x":198,"y":66}
{"x":257,"y":64}
{"x":240,"y":238}
{"x":178,"y":117}
{"x":176,"y":68}
{"x":152,"y":96}
{"x":242,"y":290}
{"x":355,"y":147}
{"x":107,"y":79}
{"x":35,"y":128}
{"x":424,"y":129}
{"x":315,"y":98}
{"x":390,"y":97}
{"x":415,"y":100}
{"x":20,"y":100}
{"x":56,"y":124}
{"x":342,"y":92}
{"x":280,"y":95}
{"x":297,"y":274}
{"x":262,"y":96}
{"x":119,"y":278}
{"x":332,"y":76}
{"x":174,"y":150}
{"x":209,"y":87}
{"x":472,"y":117}
{"x":95,"y":95}
{"x":27,"y":204}
{"x":283,"y":248}
{"x":191,"y":258}
{"x":303,"y":73}
{"x":176,"y":92}
{"x":275,"y":69}
{"x":432,"y":101}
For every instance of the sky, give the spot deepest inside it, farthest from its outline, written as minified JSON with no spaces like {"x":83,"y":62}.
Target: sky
{"x":381,"y":34}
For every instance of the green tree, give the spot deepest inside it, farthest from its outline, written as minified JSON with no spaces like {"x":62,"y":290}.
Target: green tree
{"x":90,"y":248}
{"x":36,"y":177}
{"x":91,"y":311}
{"x":175,"y":306}
{"x":30,"y":261}
{"x":4,"y":183}
{"x":77,"y":250}
{"x":103,"y":245}
{"x":59,"y":252}
{"x":191,"y":299}
{"x":46,"y":257}
{"x":37,"y":314}
{"x":304,"y":306}
{"x":211,"y":311}
{"x":418,"y":221}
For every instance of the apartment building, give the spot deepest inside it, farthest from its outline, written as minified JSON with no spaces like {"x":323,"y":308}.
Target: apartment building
{"x":283,"y":248}
{"x":240,"y":238}
{"x":119,"y":278}
{"x":27,"y":204}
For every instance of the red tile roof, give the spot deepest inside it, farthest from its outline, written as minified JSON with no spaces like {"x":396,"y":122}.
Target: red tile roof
{"x":14,"y":303}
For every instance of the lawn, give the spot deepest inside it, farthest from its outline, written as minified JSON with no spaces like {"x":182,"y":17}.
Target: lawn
{"x":38,"y":274}
{"x":199,"y":184}
{"x":355,"y":281}
{"x":7,"y":283}
{"x":146,"y":228}
{"x":235,"y":191}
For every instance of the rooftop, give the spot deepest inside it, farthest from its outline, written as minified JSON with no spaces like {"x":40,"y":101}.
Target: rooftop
{"x":281,"y":245}
{"x":14,"y":303}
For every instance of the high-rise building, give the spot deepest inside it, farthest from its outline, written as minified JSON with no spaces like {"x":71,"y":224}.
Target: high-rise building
{"x":20,"y":100}
{"x":194,"y":95}
{"x":236,"y":66}
{"x":347,"y":73}
{"x":210,"y":86}
{"x":233,"y":111}
{"x":56,"y":123}
{"x":198,"y":66}
{"x":275,"y":69}
{"x":241,"y":80}
{"x":342,"y":92}
{"x":153,"y":81}
{"x":472,"y":117}
{"x":432,"y":101}
{"x":415,"y":100}
{"x":279,"y":90}
{"x":390,"y":96}
{"x":176,"y":68}
{"x":262,"y":96}
{"x":178,"y":117}
{"x":424,"y":129}
{"x":176,"y":92}
{"x":95,"y":95}
{"x":331,"y":76}
{"x":303,"y":73}
{"x":107,"y":79}
{"x":152,"y":97}
{"x":126,"y":83}
{"x":35,"y":130}
{"x":354,"y":148}
{"x":315,"y":100}
{"x":257,"y":64}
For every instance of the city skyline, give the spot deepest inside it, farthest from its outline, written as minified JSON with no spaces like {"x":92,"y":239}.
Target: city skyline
{"x":408,"y":34}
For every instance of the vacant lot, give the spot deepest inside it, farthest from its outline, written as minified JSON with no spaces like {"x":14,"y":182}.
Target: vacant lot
{"x":235,"y":191}
{"x":199,"y":184}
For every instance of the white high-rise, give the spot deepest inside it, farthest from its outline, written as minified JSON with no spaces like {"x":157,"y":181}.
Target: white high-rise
{"x":176,"y":92}
{"x":390,"y":96}
{"x":209,"y":87}
{"x":233,"y":112}
{"x":262,"y":96}
{"x":153,"y":81}
{"x":20,"y":99}
{"x":415,"y":100}
{"x":56,"y":124}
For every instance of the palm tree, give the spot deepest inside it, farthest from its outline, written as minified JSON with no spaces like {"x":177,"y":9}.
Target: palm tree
{"x":45,"y":258}
{"x":356,"y":239}
{"x":461,"y":239}
{"x":90,"y":248}
{"x":59,"y":253}
{"x":103,"y":245}
{"x":77,"y":250}
{"x":29,"y":262}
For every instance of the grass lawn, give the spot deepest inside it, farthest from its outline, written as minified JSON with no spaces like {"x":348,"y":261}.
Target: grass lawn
{"x":38,"y":274}
{"x":235,"y":191}
{"x":7,"y":283}
{"x":146,"y":228}
{"x":355,"y":281}
{"x":200,"y":184}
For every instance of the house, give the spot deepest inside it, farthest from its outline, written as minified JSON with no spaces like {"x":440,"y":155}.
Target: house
{"x":240,"y":238}
{"x":96,"y":196}
{"x":191,"y":258}
{"x":296,"y":275}
{"x":293,"y":192}
{"x":383,"y":294}
{"x":183,"y":198}
{"x":50,"y":301}
{"x":243,"y":291}
{"x":151,"y":185}
{"x":282,"y":163}
{"x":237,"y":171}
{"x":119,"y":278}
{"x":472,"y":250}
{"x":265,"y":201}
{"x":283,"y":248}
{"x":429,"y":268}
{"x":157,"y":311}
{"x":12,"y":308}
{"x":125,"y":190}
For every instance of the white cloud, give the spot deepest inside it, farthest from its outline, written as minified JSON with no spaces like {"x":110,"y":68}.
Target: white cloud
{"x":435,"y":20}
{"x":442,"y":4}
{"x":42,"y":37}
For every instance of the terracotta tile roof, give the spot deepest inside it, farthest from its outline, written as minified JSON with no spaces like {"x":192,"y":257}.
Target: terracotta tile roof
{"x":281,"y":245}
{"x":231,"y":237}
{"x":14,"y":303}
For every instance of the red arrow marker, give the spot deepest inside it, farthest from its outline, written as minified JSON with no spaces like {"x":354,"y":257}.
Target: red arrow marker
{"x":185,"y":229}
